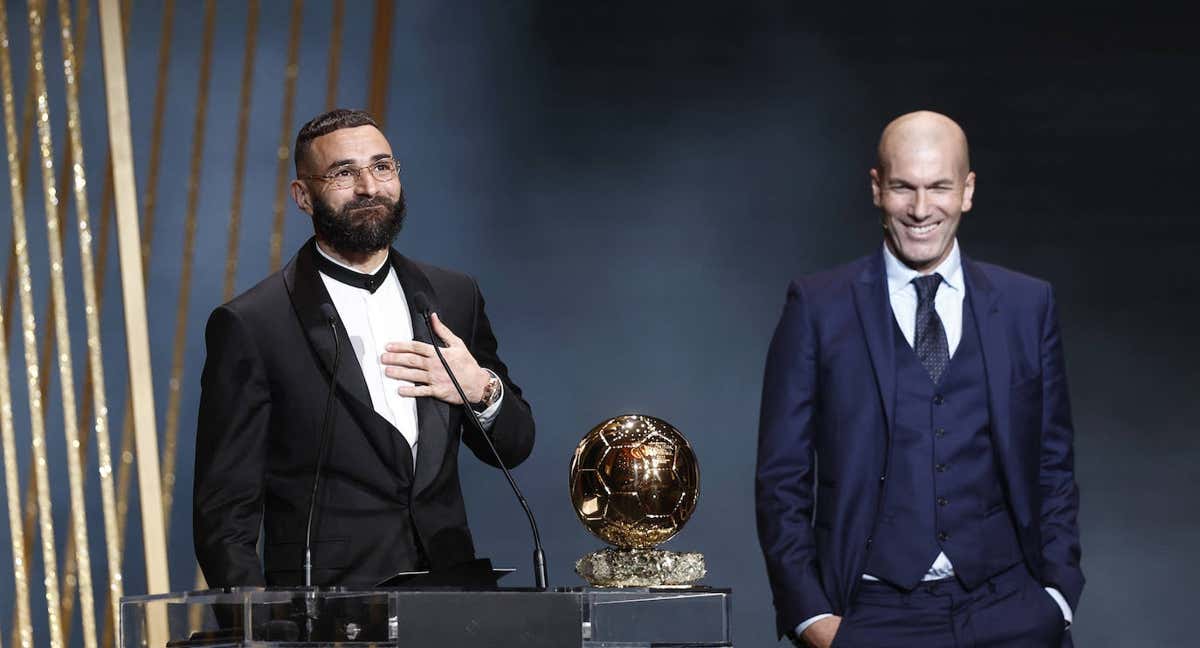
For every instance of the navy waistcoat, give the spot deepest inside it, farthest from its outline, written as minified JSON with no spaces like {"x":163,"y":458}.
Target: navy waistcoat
{"x":943,"y":491}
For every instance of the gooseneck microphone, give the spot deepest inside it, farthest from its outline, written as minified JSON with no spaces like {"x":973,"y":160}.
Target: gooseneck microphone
{"x":421,"y":301}
{"x":330,"y":314}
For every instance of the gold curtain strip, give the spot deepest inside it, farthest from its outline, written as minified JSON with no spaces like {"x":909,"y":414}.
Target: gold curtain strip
{"x":136,"y":333}
{"x":70,"y":567}
{"x":25,"y":148}
{"x":67,"y":597}
{"x":125,"y":469}
{"x":23,"y":629}
{"x":149,"y":200}
{"x":69,"y":580}
{"x":58,"y":293}
{"x":239,"y":160}
{"x":285,"y":137}
{"x":115,"y":544}
{"x":124,"y":473}
{"x":175,"y":385}
{"x":23,"y":622}
{"x":68,"y":571}
{"x":29,"y":341}
{"x":381,"y":58}
{"x":46,"y":358}
{"x":335,"y":54}
{"x":98,"y":400}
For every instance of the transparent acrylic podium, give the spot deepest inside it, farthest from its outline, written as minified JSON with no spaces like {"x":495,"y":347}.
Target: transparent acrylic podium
{"x":298,"y":617}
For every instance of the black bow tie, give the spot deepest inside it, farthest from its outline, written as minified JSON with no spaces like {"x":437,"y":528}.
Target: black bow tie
{"x":368,"y":282}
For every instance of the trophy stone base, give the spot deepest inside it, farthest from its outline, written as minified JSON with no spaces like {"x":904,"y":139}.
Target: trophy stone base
{"x":610,"y":567}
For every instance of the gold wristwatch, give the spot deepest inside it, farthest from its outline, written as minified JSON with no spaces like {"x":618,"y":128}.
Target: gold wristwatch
{"x":491,"y":392}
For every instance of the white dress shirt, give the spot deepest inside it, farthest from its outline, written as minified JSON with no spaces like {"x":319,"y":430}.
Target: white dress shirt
{"x":372,"y":320}
{"x":948,"y":302}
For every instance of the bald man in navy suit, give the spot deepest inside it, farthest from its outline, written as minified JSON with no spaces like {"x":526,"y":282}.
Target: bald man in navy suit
{"x":915,"y":482}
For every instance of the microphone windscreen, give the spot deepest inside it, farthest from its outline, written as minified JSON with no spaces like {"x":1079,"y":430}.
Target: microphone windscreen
{"x":329,"y":312}
{"x":421,"y":302}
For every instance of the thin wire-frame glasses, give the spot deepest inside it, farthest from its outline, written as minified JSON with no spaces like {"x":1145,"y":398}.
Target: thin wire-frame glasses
{"x":345,"y":177}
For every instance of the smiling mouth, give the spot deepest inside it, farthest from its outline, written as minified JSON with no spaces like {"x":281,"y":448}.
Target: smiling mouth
{"x":922,"y":230}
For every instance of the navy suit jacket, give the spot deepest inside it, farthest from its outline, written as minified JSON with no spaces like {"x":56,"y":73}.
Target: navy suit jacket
{"x":827,"y":413}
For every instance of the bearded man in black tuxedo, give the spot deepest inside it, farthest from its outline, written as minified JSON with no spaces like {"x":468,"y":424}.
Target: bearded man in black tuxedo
{"x":390,"y":498}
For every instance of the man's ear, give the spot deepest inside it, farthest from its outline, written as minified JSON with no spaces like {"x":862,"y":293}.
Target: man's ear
{"x":876,"y":192}
{"x":968,"y":191}
{"x":301,"y":196}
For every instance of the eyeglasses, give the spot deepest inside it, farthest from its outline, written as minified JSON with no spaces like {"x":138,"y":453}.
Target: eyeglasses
{"x":345,"y":177}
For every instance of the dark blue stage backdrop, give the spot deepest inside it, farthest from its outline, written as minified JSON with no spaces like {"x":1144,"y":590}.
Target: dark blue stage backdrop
{"x":633,"y":185}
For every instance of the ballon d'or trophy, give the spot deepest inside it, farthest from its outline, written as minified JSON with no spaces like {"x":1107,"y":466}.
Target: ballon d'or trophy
{"x":634,"y":483}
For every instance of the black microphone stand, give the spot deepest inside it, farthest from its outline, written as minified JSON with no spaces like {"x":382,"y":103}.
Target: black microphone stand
{"x":539,"y":556}
{"x":310,"y":595}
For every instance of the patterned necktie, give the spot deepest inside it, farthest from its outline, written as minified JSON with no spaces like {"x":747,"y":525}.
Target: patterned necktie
{"x":930,"y":337}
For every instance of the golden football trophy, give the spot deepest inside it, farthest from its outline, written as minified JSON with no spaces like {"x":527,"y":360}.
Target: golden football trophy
{"x":634,"y":483}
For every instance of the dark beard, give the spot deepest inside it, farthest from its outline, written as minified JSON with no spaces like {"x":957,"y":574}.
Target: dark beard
{"x":354,"y":235}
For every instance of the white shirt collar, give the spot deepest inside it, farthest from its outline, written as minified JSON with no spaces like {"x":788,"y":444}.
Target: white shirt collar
{"x":371,"y":272}
{"x":900,"y":276}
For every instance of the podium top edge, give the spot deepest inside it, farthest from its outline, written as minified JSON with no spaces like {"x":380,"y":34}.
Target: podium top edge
{"x":205,"y":596}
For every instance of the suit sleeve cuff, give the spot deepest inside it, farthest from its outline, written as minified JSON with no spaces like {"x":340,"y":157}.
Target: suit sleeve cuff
{"x":807,"y":622}
{"x":1068,"y":616}
{"x":488,"y":416}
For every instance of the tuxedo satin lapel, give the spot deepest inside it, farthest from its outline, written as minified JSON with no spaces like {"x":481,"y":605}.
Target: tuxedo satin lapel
{"x":308,"y":293}
{"x":986,"y":306}
{"x":433,"y":415}
{"x":875,"y":315}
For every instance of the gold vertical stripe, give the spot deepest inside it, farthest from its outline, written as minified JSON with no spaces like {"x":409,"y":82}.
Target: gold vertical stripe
{"x":69,"y":569}
{"x":69,"y":566}
{"x":29,"y":340}
{"x":150,"y":202}
{"x":123,"y":481}
{"x":175,"y":385}
{"x":285,"y":138}
{"x":239,"y":160}
{"x":70,"y":161}
{"x":68,"y":574}
{"x":124,"y":472}
{"x":381,"y":58}
{"x":58,"y":293}
{"x":335,"y":54}
{"x":23,"y":630}
{"x":108,"y":636}
{"x":24,"y":625}
{"x":25,"y":146}
{"x":30,"y":514}
{"x":137,"y":337}
{"x":99,"y":403}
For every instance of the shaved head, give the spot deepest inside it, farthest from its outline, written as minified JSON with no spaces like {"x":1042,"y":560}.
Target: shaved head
{"x":924,"y":129}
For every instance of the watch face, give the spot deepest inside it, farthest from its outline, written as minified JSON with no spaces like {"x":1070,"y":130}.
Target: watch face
{"x":491,"y":393}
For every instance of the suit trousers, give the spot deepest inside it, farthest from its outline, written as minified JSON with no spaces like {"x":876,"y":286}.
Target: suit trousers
{"x":1010,"y":609}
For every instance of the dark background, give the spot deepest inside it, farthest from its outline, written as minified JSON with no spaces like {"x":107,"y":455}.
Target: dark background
{"x":633,"y":184}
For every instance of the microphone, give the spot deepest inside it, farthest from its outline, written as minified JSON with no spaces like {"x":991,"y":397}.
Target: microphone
{"x":421,"y":302}
{"x":330,"y":314}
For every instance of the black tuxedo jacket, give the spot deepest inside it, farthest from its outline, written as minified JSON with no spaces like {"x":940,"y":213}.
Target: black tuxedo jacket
{"x":263,"y":394}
